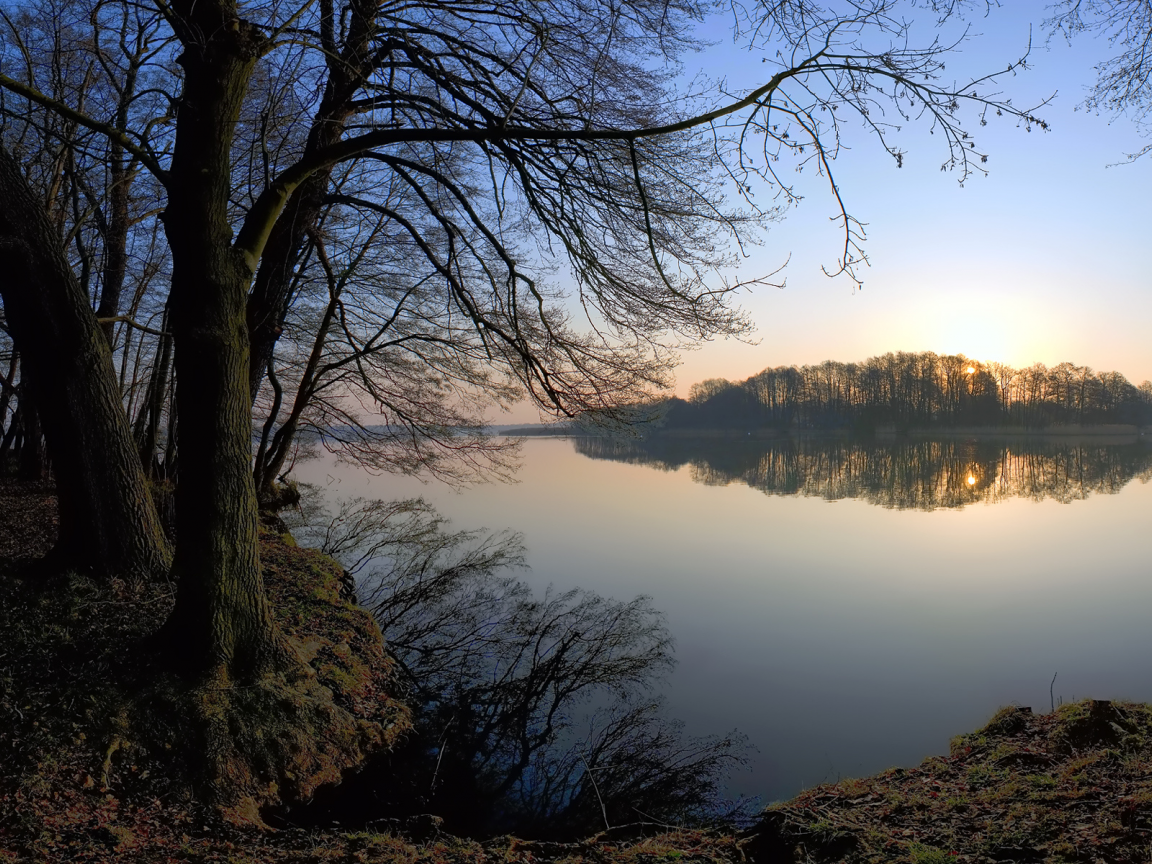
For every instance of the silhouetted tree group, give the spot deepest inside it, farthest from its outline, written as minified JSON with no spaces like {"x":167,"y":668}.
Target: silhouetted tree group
{"x":225,"y":223}
{"x":913,"y":390}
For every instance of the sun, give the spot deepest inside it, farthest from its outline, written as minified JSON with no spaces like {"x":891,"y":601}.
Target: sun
{"x":971,"y":480}
{"x":970,"y":369}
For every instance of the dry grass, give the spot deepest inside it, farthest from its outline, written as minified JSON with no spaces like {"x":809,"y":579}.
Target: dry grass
{"x":1072,"y":786}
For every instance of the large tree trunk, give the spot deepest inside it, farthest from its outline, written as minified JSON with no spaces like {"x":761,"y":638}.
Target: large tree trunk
{"x":221,"y":625}
{"x":107,"y":518}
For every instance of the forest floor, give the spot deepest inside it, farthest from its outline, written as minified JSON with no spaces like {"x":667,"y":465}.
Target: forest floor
{"x":1074,"y":785}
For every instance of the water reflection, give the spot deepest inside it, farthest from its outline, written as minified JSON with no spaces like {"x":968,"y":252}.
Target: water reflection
{"x":903,"y":475}
{"x":841,"y":640}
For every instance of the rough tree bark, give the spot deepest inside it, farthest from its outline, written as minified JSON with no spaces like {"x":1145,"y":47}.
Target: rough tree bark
{"x":221,"y":625}
{"x":107,"y":518}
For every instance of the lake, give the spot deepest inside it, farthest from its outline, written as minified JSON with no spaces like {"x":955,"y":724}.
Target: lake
{"x":849,"y":606}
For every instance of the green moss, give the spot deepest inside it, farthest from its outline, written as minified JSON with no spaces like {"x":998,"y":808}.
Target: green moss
{"x":985,"y":775}
{"x":962,"y":745}
{"x":1010,"y":720}
{"x":918,"y":853}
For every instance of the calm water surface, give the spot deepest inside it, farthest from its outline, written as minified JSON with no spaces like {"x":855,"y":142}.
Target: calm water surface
{"x":848,"y":607}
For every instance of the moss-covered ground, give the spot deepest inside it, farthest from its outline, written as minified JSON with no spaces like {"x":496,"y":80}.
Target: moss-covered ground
{"x":83,"y":778}
{"x":1071,"y":786}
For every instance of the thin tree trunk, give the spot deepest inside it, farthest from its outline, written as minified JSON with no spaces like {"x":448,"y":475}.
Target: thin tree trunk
{"x":107,"y":518}
{"x":268,"y":303}
{"x":115,"y":243}
{"x":121,"y":174}
{"x":269,"y":461}
{"x":8,"y":390}
{"x":148,"y":423}
{"x":258,"y":470}
{"x":9,"y":444}
{"x":171,"y":467}
{"x":33,"y":460}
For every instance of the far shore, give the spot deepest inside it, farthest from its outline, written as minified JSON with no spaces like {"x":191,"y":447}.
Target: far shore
{"x":1115,"y":433}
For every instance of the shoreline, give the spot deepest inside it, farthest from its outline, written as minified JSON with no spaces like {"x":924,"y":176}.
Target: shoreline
{"x":1110,"y":434}
{"x":1072,"y":785}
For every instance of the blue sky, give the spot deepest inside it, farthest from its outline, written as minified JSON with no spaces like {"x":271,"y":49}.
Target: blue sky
{"x":1042,"y":260}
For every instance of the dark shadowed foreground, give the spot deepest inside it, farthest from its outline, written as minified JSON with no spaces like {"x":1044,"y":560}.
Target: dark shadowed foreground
{"x":82,"y":778}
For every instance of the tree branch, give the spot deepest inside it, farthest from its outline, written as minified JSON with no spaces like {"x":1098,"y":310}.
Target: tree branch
{"x":131,"y":323}
{"x":258,"y":225}
{"x":111,"y":132}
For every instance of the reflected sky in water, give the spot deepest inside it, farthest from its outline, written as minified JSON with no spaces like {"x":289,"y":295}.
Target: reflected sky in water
{"x":841,"y":636}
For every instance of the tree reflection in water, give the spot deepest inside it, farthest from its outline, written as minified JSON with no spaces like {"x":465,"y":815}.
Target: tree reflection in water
{"x":904,"y":475}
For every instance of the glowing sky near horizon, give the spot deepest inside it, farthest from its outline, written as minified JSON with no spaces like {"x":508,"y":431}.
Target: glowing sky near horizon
{"x":1043,"y":260}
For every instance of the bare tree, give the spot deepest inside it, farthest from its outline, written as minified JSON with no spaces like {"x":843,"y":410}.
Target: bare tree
{"x":382,"y":376}
{"x":107,"y":519}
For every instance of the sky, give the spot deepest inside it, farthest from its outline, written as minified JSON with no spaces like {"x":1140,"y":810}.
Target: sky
{"x":1042,"y":260}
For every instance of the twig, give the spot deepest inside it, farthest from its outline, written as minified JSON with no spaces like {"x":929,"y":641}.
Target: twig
{"x":115,"y":318}
{"x":655,"y":821}
{"x":1051,"y":698}
{"x":596,"y":789}
{"x":439,"y":756}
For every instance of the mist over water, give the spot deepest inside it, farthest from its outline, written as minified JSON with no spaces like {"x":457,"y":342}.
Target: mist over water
{"x":849,"y":606}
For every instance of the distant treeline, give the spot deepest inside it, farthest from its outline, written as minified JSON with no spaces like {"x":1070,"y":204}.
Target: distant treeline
{"x":913,"y":391}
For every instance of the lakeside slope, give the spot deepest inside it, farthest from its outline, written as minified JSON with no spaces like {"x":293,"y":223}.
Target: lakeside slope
{"x":1073,"y":785}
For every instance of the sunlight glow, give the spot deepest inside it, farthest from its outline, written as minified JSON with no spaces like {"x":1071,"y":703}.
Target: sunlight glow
{"x":971,"y":480}
{"x":970,"y":369}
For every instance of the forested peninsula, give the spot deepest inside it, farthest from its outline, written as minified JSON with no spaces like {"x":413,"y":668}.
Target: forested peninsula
{"x":900,"y":392}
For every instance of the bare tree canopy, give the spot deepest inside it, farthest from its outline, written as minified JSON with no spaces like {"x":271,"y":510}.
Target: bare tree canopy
{"x":1123,"y":80}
